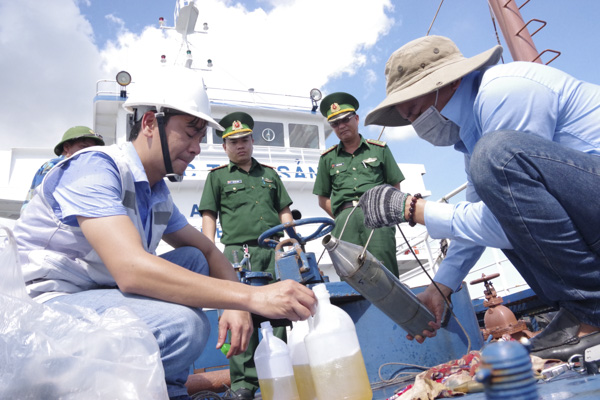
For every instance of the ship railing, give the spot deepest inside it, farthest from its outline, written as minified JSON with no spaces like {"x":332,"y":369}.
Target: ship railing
{"x":106,"y":87}
{"x":256,"y":98}
{"x":423,"y":241}
{"x":248,"y":97}
{"x":505,"y":285}
{"x":287,"y":154}
{"x":431,"y":255}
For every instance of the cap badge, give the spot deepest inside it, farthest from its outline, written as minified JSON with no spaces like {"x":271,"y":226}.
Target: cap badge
{"x":236,"y":125}
{"x":335,"y":107}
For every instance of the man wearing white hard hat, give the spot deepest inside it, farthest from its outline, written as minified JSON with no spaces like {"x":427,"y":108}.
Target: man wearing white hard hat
{"x":89,"y":238}
{"x":530,"y":135}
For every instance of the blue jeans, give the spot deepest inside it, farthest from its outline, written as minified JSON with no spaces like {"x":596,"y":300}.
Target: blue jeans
{"x":181,"y":331}
{"x":546,"y":197}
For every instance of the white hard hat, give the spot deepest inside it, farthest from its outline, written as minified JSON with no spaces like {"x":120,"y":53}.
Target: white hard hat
{"x":172,"y":87}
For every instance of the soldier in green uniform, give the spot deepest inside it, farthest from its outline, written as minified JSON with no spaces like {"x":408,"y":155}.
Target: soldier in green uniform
{"x":248,"y":198}
{"x":349,"y":169}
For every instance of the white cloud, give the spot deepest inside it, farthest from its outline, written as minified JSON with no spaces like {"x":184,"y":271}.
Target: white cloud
{"x":49,"y":63}
{"x":391,"y":133}
{"x":290,"y":48}
{"x":116,"y":21}
{"x":294,"y":46}
{"x":370,"y":78}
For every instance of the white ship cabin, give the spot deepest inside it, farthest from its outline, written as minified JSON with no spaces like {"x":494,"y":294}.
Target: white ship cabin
{"x":289,"y":135}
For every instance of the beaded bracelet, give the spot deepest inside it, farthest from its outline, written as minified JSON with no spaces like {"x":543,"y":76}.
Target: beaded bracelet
{"x":411,"y":210}
{"x":404,"y":197}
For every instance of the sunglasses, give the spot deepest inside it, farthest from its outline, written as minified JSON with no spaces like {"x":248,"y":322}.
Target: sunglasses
{"x":344,"y":120}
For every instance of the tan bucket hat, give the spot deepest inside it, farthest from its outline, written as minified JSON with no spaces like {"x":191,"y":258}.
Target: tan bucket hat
{"x":421,"y":67}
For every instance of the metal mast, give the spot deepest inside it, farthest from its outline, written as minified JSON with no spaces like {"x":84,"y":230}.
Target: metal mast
{"x":516,"y":33}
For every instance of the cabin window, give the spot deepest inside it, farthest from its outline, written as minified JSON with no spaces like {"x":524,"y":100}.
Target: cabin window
{"x":213,"y":132}
{"x":215,"y":139}
{"x":268,"y":134}
{"x":265,"y":134}
{"x":305,"y":136}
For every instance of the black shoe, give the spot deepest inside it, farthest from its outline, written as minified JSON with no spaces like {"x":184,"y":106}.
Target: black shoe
{"x":244,"y":394}
{"x":559,"y":340}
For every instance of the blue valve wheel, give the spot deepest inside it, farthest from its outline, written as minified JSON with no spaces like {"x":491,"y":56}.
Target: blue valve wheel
{"x":326,"y":226}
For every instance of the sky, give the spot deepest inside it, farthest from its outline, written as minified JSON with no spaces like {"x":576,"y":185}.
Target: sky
{"x":54,"y":51}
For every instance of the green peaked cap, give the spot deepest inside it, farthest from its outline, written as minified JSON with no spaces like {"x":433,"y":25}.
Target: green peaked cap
{"x":337,"y":105}
{"x":237,"y":124}
{"x":78,"y":132}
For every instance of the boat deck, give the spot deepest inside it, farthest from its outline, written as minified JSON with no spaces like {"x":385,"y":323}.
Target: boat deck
{"x":570,"y":385}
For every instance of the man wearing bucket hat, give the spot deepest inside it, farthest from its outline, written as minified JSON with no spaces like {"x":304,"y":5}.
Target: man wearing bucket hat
{"x":248,"y":198}
{"x":349,"y":169}
{"x":73,"y":140}
{"x":89,"y":238}
{"x":531,"y":139}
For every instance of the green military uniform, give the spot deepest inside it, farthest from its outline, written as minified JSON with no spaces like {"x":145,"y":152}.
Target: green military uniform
{"x":247,"y":204}
{"x":343,"y":178}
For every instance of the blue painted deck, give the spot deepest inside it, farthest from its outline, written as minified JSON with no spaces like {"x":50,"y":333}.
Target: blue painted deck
{"x":567,"y":386}
{"x":382,"y":341}
{"x":211,"y":358}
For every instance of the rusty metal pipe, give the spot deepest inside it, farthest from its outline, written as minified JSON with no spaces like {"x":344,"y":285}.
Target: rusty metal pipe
{"x":216,"y":381}
{"x":519,"y":41}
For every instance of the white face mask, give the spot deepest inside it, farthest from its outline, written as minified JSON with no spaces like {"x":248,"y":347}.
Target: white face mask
{"x":436,"y":129}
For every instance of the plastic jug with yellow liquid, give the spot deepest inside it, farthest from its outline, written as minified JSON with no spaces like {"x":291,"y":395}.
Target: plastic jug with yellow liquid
{"x":274,"y":367}
{"x":299,"y":356}
{"x":336,"y":361}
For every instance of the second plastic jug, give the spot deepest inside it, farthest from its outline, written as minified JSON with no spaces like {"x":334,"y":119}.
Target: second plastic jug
{"x":336,"y":362}
{"x":302,"y":374}
{"x":274,"y":367}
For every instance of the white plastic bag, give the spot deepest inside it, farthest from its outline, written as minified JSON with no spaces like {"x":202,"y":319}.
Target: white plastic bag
{"x":70,"y":352}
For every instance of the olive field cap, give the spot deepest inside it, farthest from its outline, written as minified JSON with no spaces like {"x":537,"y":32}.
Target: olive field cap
{"x":78,"y":132}
{"x":338,"y":105}
{"x":171,"y":88}
{"x":237,"y":125}
{"x":421,"y":67}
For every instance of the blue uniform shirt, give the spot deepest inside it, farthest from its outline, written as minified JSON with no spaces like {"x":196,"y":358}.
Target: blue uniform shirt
{"x":38,"y":177}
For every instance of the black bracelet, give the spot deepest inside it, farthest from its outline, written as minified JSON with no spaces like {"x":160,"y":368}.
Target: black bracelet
{"x":411,"y":210}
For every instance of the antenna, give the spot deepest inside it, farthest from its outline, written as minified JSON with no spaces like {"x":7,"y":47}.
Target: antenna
{"x":185,"y":17}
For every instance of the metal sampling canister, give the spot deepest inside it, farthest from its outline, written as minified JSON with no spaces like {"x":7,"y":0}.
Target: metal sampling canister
{"x":370,"y":278}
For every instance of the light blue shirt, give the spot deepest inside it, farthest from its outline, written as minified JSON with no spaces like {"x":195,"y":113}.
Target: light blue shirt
{"x":39,"y":177}
{"x":518,"y":96}
{"x":90,"y":186}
